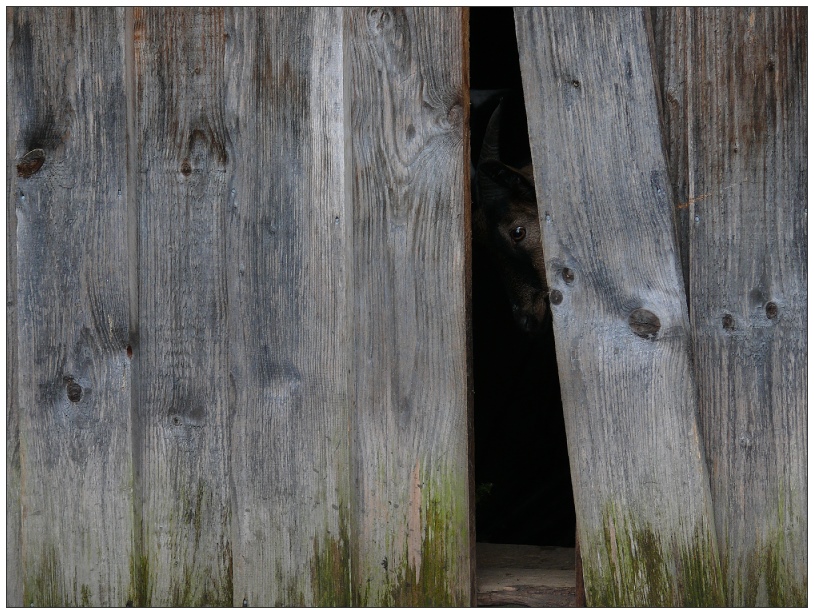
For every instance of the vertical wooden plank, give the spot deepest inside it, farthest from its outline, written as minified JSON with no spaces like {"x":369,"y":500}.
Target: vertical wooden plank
{"x":408,"y":172}
{"x":185,"y":161}
{"x":14,"y":569}
{"x":746,"y":73}
{"x":289,"y":357}
{"x":66,"y":141}
{"x":622,"y":331}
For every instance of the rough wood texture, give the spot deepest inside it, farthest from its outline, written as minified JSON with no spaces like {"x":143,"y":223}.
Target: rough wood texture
{"x":622,"y":330}
{"x":408,"y":176}
{"x":14,"y":570}
{"x":746,"y":75}
{"x":67,"y":177}
{"x":289,"y":343}
{"x":184,"y":166}
{"x":530,"y":576}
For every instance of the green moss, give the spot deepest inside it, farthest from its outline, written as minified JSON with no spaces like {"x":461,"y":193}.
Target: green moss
{"x":771,"y":573}
{"x":139,"y":592}
{"x":42,"y":587}
{"x":783,"y":589}
{"x":635,"y":566}
{"x":701,"y":582}
{"x":85,"y":596}
{"x":785,"y":585}
{"x":429,"y":585}
{"x":330,"y":568}
{"x":197,"y":585}
{"x":431,"y":577}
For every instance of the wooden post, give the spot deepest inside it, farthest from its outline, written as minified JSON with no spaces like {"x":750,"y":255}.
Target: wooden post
{"x":620,"y":317}
{"x":67,"y":196}
{"x":746,"y":74}
{"x":407,"y":86}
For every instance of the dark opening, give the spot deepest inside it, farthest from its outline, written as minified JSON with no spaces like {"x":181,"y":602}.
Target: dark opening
{"x":523,"y":483}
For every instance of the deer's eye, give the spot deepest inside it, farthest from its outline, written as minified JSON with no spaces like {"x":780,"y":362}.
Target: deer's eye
{"x":518,"y":234}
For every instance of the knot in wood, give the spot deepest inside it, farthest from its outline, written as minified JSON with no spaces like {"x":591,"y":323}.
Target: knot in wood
{"x":30,"y":163}
{"x":74,"y":391}
{"x":771,"y":310}
{"x":644,"y":323}
{"x":568,"y":276}
{"x":379,"y":19}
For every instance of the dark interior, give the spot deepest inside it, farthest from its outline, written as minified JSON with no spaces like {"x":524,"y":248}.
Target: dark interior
{"x":523,"y":483}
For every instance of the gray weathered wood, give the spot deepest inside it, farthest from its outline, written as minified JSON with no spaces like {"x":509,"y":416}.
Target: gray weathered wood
{"x":289,"y":346}
{"x":408,"y":177}
{"x":746,"y":73}
{"x":621,"y":325}
{"x":185,"y":161}
{"x":14,"y":570}
{"x":67,"y":185}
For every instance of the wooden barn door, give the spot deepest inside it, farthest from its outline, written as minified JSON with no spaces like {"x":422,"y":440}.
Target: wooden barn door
{"x":661,"y":401}
{"x":237,"y":287}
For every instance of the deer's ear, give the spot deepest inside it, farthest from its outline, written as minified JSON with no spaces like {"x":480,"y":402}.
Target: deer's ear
{"x":508,"y":178}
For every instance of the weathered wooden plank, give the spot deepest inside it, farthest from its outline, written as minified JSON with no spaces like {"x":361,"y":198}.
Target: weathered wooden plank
{"x":746,"y":75}
{"x":289,"y":347}
{"x":410,"y":526}
{"x":184,"y":168}
{"x":14,"y":568}
{"x":622,"y":332}
{"x":67,"y":184}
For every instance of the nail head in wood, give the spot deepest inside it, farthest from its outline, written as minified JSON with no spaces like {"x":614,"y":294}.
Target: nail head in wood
{"x":555,"y":297}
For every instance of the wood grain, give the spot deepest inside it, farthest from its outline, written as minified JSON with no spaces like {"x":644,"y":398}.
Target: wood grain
{"x":408,"y":178}
{"x":185,"y":161}
{"x":66,"y":181}
{"x":14,"y":569}
{"x":289,"y":346}
{"x":640,"y":485}
{"x":746,"y":75}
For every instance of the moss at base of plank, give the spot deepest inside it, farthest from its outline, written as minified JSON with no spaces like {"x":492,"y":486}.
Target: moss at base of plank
{"x":428,"y":586}
{"x":138,"y":594}
{"x":701,"y":582}
{"x":784,"y":588}
{"x":330,"y":568}
{"x":630,"y":564}
{"x":41,"y":589}
{"x":433,"y":582}
{"x":189,"y":587}
{"x":765,"y":577}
